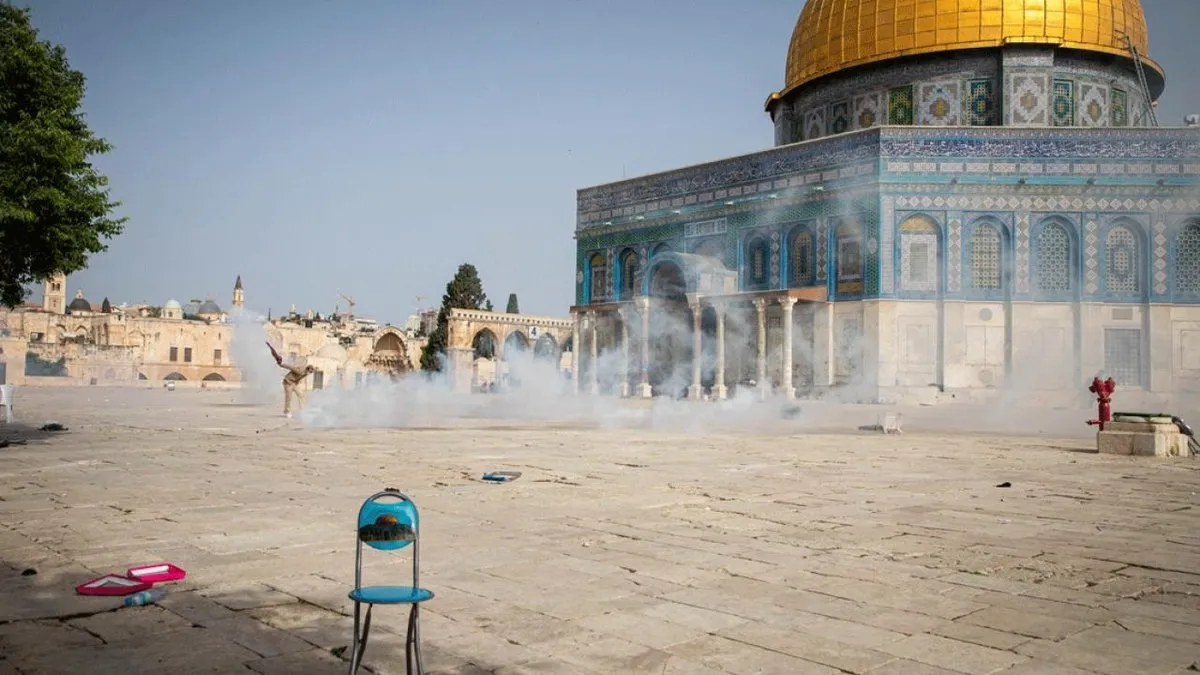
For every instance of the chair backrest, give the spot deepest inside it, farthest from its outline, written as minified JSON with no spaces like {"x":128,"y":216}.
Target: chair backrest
{"x":388,"y":521}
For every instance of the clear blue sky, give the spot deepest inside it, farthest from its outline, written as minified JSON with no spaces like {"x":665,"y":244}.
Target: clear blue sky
{"x":372,"y":146}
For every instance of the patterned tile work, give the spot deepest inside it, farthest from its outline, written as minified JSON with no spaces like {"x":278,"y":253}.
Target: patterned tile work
{"x":886,"y":233}
{"x":939,"y":104}
{"x":1022,"y":262}
{"x":1028,"y":95}
{"x":1093,"y":105}
{"x":839,"y":117}
{"x":900,"y":105}
{"x":868,"y":111}
{"x":1123,"y":271}
{"x":681,"y":187}
{"x":981,"y":103}
{"x":773,"y":274}
{"x":1063,"y":104}
{"x":988,"y":202}
{"x":1160,"y":256}
{"x":1091,"y":244}
{"x":822,"y":240}
{"x":814,"y":123}
{"x":1119,"y":109}
{"x":1187,"y":261}
{"x":1053,"y":259}
{"x":871,"y":271}
{"x":954,"y":254}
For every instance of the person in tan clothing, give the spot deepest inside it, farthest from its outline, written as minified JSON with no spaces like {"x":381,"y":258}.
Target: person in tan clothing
{"x":291,"y":386}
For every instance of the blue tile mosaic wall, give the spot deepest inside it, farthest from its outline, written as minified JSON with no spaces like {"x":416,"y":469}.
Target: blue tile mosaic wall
{"x":1147,"y":175}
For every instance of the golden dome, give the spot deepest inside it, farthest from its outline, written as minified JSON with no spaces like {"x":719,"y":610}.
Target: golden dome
{"x":833,"y":35}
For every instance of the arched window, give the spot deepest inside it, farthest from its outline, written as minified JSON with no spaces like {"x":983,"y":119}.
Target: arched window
{"x":849,"y":252}
{"x":1053,"y":259}
{"x":756,"y":264}
{"x":800,"y":258}
{"x":1124,"y":273}
{"x":1187,"y":260}
{"x":986,"y":268}
{"x":919,"y":268}
{"x":629,"y":270}
{"x":598,"y":269}
{"x":660,"y":249}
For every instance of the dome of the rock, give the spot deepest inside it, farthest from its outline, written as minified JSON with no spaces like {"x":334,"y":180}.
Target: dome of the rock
{"x":835,"y":35}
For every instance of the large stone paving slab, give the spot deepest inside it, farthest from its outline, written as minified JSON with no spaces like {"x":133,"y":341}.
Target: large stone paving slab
{"x":786,"y":545}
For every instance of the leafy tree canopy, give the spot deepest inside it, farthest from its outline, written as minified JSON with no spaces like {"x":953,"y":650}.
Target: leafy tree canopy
{"x":465,"y":291}
{"x":54,"y":206}
{"x":513,"y":307}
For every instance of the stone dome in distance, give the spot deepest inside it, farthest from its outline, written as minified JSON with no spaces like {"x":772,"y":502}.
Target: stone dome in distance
{"x":835,"y":35}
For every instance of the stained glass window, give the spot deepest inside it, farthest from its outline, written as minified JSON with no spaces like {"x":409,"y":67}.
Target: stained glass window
{"x":629,"y":268}
{"x":801,"y":258}
{"x":918,"y":270}
{"x":985,"y":258}
{"x":758,"y":262}
{"x":1187,"y":260}
{"x":849,"y":258}
{"x":1123,"y":272}
{"x":599,"y":270}
{"x":1054,"y":259}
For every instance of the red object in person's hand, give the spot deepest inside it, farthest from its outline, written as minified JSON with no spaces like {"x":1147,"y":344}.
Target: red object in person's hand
{"x":278,"y":358}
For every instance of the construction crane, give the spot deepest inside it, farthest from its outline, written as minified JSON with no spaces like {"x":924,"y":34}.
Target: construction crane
{"x":1141,"y":75}
{"x":350,"y":301}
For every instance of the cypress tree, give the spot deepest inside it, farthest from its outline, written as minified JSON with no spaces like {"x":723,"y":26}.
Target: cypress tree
{"x":465,"y":291}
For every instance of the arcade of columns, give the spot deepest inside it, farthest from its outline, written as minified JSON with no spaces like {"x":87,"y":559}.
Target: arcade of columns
{"x":589,"y":319}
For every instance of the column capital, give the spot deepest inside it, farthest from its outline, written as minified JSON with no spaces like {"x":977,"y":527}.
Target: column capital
{"x":760,"y":304}
{"x":642,"y":302}
{"x":787,"y":302}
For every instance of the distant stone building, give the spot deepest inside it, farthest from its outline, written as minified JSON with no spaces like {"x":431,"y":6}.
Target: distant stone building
{"x":56,"y":342}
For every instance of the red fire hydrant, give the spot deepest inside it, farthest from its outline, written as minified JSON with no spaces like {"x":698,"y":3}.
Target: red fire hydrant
{"x":1103,"y":390}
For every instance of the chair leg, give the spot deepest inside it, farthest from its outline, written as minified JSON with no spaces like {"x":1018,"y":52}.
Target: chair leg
{"x":412,"y":643}
{"x":359,"y":644}
{"x":354,"y":642}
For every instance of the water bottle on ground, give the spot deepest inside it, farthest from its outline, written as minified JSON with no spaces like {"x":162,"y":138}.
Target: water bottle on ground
{"x":144,"y":598}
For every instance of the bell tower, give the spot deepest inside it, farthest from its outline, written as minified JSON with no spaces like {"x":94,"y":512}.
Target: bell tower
{"x":54,"y":294}
{"x":239,"y":294}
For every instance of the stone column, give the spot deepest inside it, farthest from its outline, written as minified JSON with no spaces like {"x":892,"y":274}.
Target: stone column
{"x":576,"y":351}
{"x":594,"y":354}
{"x":625,"y":314}
{"x":696,"y":391}
{"x":760,"y":307}
{"x":719,"y":391}
{"x":644,"y":388}
{"x":789,"y":391}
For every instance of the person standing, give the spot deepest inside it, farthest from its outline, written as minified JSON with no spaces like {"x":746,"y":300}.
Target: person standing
{"x":291,"y":386}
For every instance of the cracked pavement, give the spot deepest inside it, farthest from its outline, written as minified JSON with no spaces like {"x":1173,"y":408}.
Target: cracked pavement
{"x":617,"y":551}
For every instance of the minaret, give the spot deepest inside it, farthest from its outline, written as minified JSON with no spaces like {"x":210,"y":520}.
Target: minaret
{"x":54,"y":294}
{"x":239,"y":295}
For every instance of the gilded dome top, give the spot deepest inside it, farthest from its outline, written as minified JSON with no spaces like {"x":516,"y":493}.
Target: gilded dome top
{"x":833,"y":35}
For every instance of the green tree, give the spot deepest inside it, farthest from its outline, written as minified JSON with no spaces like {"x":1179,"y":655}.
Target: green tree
{"x":54,"y":206}
{"x":465,"y":291}
{"x":106,"y":306}
{"x":512,"y":308}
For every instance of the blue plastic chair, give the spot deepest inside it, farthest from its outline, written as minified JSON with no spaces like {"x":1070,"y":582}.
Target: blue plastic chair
{"x":388,"y":521}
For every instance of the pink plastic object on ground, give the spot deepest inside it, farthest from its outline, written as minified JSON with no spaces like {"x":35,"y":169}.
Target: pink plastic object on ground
{"x":157,"y":573}
{"x":112,"y":584}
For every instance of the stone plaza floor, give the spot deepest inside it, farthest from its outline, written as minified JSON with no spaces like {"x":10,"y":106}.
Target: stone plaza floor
{"x":779,"y":548}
